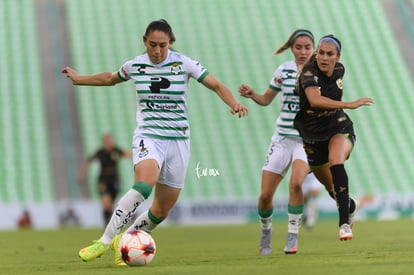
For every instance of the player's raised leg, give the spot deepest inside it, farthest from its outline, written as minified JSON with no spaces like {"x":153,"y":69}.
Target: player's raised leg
{"x":126,"y":208}
{"x":146,"y":174}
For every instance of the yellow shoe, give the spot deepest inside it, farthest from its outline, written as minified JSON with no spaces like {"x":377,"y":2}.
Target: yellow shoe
{"x":96,"y":250}
{"x":114,"y":246}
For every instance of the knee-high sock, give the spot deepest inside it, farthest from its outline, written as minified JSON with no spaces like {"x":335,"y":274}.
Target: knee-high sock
{"x":145,"y":222}
{"x":340,"y":179}
{"x":295,"y":213}
{"x":352,"y":204}
{"x":126,"y":208}
{"x":265,"y":218}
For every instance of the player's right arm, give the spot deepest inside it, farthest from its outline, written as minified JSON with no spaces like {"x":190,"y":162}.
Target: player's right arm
{"x":82,"y":172}
{"x":85,"y":166}
{"x":262,"y":99}
{"x":99,"y":79}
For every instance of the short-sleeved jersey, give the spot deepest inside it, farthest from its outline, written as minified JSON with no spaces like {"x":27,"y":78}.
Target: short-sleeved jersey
{"x":108,"y":161}
{"x":161,"y":93}
{"x":318,"y":124}
{"x":284,"y":81}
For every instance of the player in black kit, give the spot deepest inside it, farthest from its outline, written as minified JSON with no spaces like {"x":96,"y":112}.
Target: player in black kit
{"x":108,"y":179}
{"x":327,"y":131}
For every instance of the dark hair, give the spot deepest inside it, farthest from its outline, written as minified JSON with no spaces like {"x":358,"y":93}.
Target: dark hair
{"x":160,"y":25}
{"x":330,"y":38}
{"x":292,"y":38}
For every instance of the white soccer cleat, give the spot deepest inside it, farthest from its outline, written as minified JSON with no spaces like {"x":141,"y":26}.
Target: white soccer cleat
{"x":345,"y":232}
{"x":266,"y":242}
{"x":291,"y":243}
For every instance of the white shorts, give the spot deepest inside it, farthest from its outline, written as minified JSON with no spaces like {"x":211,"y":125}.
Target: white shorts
{"x":310,"y":184}
{"x":172,"y":157}
{"x":283,"y":151}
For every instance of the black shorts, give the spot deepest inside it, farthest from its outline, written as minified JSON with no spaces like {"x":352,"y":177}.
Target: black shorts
{"x":317,"y":151}
{"x":110,"y":188}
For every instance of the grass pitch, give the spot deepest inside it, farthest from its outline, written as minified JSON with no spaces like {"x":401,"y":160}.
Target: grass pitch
{"x":377,"y":248}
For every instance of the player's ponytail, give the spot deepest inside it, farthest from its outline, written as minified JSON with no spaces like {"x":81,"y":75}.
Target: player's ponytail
{"x":292,"y":38}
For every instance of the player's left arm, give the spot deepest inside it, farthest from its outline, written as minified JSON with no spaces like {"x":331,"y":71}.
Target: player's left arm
{"x":225,"y":94}
{"x":317,"y":100}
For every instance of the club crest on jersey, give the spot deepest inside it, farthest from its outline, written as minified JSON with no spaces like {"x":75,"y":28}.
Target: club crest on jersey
{"x":339,"y":83}
{"x":176,"y":68}
{"x":307,"y":73}
{"x":143,"y":152}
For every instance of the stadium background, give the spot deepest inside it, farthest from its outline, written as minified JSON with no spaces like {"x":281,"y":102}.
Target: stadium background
{"x":48,"y":126}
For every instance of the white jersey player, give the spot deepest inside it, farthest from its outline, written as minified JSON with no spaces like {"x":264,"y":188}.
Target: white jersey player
{"x":286,"y":148}
{"x":161,"y":146}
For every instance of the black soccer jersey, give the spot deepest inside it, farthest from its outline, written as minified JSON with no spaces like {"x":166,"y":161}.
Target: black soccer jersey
{"x":317,"y":124}
{"x":108,"y":161}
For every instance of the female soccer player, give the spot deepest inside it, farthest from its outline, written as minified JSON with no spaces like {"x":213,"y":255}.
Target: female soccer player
{"x":326,"y":130}
{"x":286,"y":148}
{"x":161,"y":145}
{"x":108,"y":180}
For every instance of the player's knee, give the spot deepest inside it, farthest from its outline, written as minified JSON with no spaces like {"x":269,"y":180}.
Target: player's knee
{"x":266,"y":198}
{"x":295,"y":185}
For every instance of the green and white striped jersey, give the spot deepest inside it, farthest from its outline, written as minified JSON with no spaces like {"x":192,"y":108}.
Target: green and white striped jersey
{"x":162,"y":93}
{"x":284,"y":82}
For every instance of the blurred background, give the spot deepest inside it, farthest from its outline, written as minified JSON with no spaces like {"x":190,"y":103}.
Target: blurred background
{"x":48,"y":126}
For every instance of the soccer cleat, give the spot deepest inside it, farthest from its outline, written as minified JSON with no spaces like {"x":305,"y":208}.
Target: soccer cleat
{"x":114,"y":247}
{"x":291,"y":243}
{"x":345,"y":232}
{"x":96,"y":250}
{"x":352,"y":215}
{"x":266,"y":242}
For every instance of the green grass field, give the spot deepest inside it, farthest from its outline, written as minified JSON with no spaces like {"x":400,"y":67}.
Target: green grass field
{"x":377,"y":248}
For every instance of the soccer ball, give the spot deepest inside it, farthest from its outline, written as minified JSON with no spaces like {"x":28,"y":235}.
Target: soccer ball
{"x":137,"y":248}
